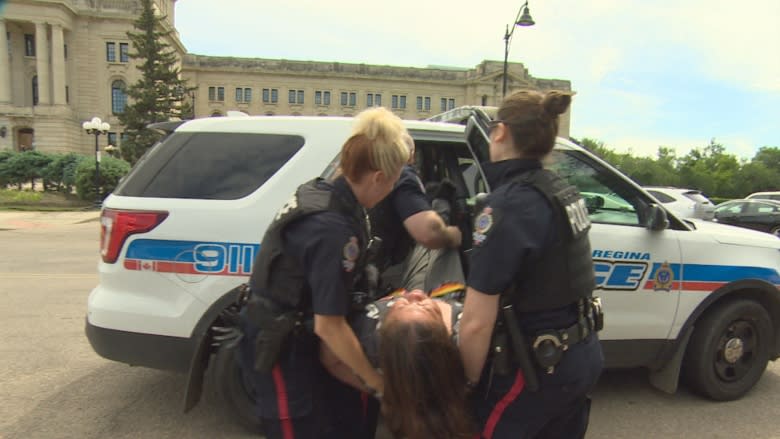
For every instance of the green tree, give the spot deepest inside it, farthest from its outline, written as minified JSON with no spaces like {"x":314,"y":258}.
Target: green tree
{"x":769,"y":156}
{"x":158,"y":95}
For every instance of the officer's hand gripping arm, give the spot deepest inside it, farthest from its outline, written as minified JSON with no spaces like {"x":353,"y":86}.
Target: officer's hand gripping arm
{"x":476,"y":327}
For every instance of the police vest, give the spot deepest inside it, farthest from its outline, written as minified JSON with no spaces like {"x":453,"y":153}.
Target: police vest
{"x":280,"y":277}
{"x":564,"y":273}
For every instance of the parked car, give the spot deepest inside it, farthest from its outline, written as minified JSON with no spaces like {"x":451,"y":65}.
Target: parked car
{"x":764,"y":196}
{"x":684,"y":203}
{"x":757,"y":214}
{"x":181,"y":231}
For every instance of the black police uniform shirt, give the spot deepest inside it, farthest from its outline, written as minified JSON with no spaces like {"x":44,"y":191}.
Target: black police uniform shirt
{"x":327,"y":244}
{"x":366,"y":324}
{"x":513,"y":229}
{"x":407,"y":198}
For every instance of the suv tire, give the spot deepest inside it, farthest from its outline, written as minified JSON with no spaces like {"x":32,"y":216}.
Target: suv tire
{"x":233,"y":389}
{"x":729,"y":350}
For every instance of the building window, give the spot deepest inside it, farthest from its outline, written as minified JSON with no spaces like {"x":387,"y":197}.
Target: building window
{"x":270,"y":95}
{"x":484,"y":100}
{"x":247,"y":95}
{"x":65,"y":50}
{"x":402,"y":103}
{"x":29,"y":45}
{"x":394,"y":100}
{"x":348,"y":99}
{"x":450,"y":103}
{"x":295,"y":97}
{"x":123,"y":52}
{"x":221,"y":94}
{"x":374,"y":100}
{"x":118,"y":97}
{"x":443,"y":104}
{"x":112,"y":139}
{"x":8,"y":42}
{"x":212,"y":93}
{"x":110,"y":52}
{"x":322,"y":97}
{"x":35,"y":90}
{"x":239,"y":95}
{"x":423,"y":103}
{"x":67,"y":94}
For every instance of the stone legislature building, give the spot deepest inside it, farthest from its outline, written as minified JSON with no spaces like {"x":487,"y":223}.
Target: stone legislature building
{"x":66,"y":61}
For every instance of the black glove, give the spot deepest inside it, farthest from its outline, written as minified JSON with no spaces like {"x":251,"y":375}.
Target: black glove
{"x":446,"y":190}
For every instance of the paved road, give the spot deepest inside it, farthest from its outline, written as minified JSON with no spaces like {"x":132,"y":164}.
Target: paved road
{"x":52,"y":385}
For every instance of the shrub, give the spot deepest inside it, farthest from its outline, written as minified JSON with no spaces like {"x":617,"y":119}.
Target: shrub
{"x":60,"y":174}
{"x":111,"y":171}
{"x":4,"y":178}
{"x":23,"y":167}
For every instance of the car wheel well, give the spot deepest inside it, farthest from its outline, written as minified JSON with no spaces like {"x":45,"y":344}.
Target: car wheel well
{"x":759,"y":291}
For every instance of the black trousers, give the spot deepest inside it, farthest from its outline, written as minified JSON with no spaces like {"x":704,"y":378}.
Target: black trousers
{"x":559,"y":409}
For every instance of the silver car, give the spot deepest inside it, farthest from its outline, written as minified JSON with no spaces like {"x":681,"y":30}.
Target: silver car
{"x":684,"y":203}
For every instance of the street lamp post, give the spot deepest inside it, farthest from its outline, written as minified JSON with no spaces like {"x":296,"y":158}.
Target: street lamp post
{"x":523,"y":19}
{"x":96,"y":127}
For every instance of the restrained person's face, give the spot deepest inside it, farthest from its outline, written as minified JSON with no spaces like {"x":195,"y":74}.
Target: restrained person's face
{"x":415,"y":305}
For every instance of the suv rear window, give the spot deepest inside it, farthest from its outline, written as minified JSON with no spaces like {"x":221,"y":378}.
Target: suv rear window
{"x":212,"y":166}
{"x":660,"y":196}
{"x":697,"y":197}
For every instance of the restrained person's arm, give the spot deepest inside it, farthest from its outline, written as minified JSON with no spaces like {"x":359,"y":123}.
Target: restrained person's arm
{"x":429,"y":230}
{"x":476,"y":328}
{"x":335,"y":332}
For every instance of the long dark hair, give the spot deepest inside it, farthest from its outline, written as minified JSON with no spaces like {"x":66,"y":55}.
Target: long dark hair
{"x":425,"y":384}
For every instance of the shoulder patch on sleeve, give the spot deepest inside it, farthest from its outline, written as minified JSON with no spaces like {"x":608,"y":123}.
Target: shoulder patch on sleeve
{"x":482,"y":224}
{"x":351,"y":253}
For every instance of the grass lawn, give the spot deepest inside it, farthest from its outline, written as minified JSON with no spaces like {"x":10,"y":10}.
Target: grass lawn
{"x":11,"y":199}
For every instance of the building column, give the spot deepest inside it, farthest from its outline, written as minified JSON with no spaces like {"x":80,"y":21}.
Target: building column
{"x":58,"y":64}
{"x":5,"y":66}
{"x":42,"y":63}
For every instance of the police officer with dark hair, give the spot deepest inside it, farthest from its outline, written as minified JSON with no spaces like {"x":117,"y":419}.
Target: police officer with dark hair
{"x":405,"y":218}
{"x":528,"y":332}
{"x":304,"y":284}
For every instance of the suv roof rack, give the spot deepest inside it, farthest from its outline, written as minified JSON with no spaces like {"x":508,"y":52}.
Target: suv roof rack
{"x":166,"y":127}
{"x":461,"y":114}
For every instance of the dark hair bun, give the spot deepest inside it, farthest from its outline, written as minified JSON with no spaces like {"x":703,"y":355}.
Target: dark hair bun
{"x":556,"y":102}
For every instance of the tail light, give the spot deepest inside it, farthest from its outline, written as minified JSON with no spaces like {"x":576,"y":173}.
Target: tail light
{"x":117,"y":225}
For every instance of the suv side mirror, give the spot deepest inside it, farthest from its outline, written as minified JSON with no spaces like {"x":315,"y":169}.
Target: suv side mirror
{"x":656,"y":218}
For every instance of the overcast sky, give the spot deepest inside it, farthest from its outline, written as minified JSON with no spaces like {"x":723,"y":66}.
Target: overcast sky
{"x":647,"y":72}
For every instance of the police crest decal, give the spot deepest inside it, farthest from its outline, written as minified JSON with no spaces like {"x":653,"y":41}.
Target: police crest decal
{"x":482,"y":224}
{"x":351,"y":253}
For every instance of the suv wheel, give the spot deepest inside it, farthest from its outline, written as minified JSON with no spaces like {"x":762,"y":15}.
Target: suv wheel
{"x":775,"y":230}
{"x":729,"y":350}
{"x":234,"y":389}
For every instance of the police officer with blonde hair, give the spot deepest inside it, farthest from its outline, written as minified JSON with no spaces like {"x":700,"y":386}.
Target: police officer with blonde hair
{"x":528,"y":332}
{"x":303,"y":287}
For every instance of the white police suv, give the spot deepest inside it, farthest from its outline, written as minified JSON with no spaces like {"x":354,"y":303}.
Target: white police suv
{"x":181,"y":231}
